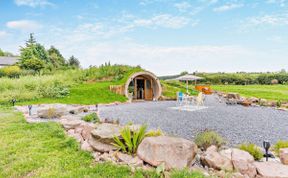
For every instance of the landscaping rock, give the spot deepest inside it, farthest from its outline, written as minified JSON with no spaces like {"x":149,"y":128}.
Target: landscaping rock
{"x":70,"y":124}
{"x":253,"y":100}
{"x":51,"y":112}
{"x":271,"y":170}
{"x":243,"y":162}
{"x":215,"y":160}
{"x":233,"y":96}
{"x":101,"y":147}
{"x":129,"y":160}
{"x":105,"y":132}
{"x":174,"y":152}
{"x":85,"y":130}
{"x":86,"y":146}
{"x":283,"y":154}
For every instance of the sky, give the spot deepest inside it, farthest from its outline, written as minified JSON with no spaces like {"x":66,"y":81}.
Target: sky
{"x":163,"y":36}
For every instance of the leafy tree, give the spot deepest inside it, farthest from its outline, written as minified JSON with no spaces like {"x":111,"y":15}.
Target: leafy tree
{"x":184,"y":73}
{"x":33,"y":64}
{"x":2,"y":52}
{"x":55,"y":57}
{"x":31,"y":41}
{"x":73,"y":62}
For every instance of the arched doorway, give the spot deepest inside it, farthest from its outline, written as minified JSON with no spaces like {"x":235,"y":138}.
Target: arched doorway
{"x":143,"y":86}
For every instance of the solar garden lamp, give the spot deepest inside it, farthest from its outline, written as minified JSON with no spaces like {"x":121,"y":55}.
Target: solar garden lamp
{"x":96,"y":107}
{"x":30,"y":109}
{"x":266,"y":146}
{"x":13,"y":101}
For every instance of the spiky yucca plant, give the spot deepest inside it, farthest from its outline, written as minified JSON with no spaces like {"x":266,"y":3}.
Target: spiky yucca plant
{"x":131,"y":139}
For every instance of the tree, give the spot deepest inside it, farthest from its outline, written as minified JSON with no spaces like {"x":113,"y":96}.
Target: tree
{"x":33,"y":64}
{"x":31,"y":41}
{"x":73,"y":62}
{"x":2,"y":53}
{"x":184,"y":73}
{"x":55,"y":57}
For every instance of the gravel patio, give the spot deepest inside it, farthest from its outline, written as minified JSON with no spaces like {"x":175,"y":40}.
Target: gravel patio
{"x":236,"y":123}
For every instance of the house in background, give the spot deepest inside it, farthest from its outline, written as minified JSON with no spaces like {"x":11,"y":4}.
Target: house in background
{"x":8,"y":61}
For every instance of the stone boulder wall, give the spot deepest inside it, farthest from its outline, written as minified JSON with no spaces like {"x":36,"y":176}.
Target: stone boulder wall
{"x":235,"y":96}
{"x":70,"y":123}
{"x":283,"y":153}
{"x":215,"y":160}
{"x":103,"y":137}
{"x":173,"y":152}
{"x":50,"y":112}
{"x":243,"y":162}
{"x":271,"y":170}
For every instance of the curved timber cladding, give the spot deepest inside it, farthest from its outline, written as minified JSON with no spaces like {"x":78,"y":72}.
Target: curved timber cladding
{"x":143,"y":86}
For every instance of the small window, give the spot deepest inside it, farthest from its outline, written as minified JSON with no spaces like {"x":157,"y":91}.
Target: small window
{"x":148,"y":84}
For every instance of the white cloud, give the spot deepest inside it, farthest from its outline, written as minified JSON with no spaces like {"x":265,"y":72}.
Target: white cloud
{"x":183,"y":6}
{"x":281,"y":3}
{"x":24,"y":25}
{"x":164,"y":60}
{"x":33,"y":3}
{"x":227,"y":7}
{"x":3,"y":34}
{"x":164,"y":20}
{"x":272,"y":20}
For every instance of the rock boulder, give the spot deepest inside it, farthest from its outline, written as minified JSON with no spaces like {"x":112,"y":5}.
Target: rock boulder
{"x":173,"y":152}
{"x":243,"y":162}
{"x":215,"y":160}
{"x":283,"y":154}
{"x":271,"y":170}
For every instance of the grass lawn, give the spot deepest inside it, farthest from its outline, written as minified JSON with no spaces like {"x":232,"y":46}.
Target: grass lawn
{"x":270,"y":92}
{"x":43,"y":150}
{"x":170,"y":88}
{"x":89,"y":93}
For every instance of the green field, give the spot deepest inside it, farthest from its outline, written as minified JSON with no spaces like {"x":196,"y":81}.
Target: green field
{"x":269,"y":92}
{"x":91,"y":93}
{"x":44,"y":150}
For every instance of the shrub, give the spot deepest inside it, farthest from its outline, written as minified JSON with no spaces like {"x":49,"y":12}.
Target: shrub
{"x":208,"y":138}
{"x":11,"y":71}
{"x":280,"y":144}
{"x":91,"y":118}
{"x":56,"y":90}
{"x":253,"y":150}
{"x":131,"y":139}
{"x":51,"y":113}
{"x":154,"y":133}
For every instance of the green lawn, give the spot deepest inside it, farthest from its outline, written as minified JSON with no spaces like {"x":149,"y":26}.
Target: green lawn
{"x":270,"y":92}
{"x":90,"y":93}
{"x":43,"y":150}
{"x":170,"y":88}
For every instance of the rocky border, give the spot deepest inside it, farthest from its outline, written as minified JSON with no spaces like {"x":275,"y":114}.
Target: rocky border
{"x":172,"y":152}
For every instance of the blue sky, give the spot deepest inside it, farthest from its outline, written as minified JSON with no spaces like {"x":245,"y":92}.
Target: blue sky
{"x":164,"y":36}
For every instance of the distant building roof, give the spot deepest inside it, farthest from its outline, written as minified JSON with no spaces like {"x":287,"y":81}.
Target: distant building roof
{"x":8,"y":61}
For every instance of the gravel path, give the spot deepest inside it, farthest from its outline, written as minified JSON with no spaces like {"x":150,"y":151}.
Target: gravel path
{"x":236,"y":123}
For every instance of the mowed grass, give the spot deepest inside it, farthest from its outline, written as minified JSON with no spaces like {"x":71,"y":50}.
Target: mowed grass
{"x":88,"y":93}
{"x":44,"y":150}
{"x":269,"y":92}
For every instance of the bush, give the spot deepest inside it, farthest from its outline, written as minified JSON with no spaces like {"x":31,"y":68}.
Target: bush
{"x":93,"y":117}
{"x":154,"y":133}
{"x":11,"y":71}
{"x":131,"y":139}
{"x":56,"y":90}
{"x":280,"y":144}
{"x":208,"y":138}
{"x":253,"y":150}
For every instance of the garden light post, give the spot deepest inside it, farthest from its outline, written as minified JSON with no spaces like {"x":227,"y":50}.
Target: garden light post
{"x":96,"y":107}
{"x":13,"y":102}
{"x":266,"y":146}
{"x":30,"y":109}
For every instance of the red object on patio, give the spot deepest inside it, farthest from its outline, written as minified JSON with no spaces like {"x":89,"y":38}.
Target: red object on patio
{"x":206,"y":89}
